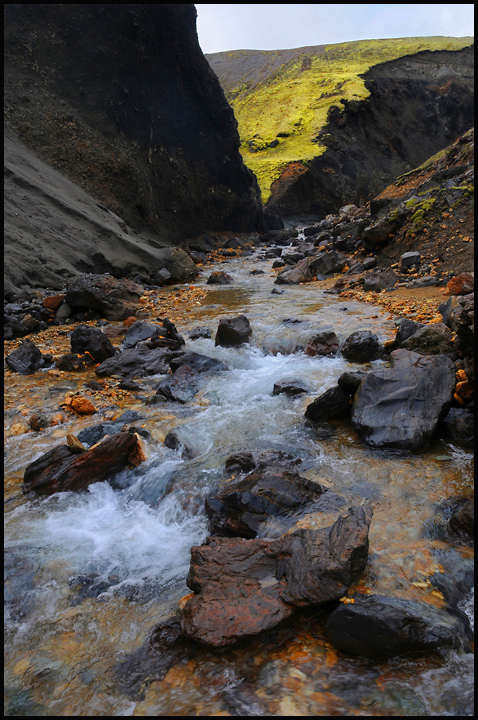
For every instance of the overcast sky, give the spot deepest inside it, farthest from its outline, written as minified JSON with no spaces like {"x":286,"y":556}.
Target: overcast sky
{"x":278,"y":26}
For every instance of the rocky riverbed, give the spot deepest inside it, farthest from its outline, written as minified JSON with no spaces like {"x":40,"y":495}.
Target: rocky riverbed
{"x":253,"y":439}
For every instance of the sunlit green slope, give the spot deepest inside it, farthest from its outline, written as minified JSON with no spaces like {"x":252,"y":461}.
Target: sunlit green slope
{"x":281,"y":98}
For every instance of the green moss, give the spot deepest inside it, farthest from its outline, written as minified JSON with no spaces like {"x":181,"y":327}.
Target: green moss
{"x":394,"y":216}
{"x":293,"y":100}
{"x":418,"y":217}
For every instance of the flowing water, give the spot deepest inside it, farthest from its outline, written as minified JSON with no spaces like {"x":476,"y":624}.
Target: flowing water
{"x":65,"y":645}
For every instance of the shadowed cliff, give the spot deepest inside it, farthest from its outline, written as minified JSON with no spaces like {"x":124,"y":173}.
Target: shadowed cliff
{"x":120,"y":99}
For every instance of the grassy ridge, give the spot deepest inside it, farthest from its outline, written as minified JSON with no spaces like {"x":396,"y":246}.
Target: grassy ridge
{"x":283,"y":97}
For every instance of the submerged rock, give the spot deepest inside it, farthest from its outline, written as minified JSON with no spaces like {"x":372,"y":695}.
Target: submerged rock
{"x":290,"y":386}
{"x":182,"y":387}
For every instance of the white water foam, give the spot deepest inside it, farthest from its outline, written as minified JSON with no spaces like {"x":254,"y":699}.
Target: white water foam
{"x":104,"y":531}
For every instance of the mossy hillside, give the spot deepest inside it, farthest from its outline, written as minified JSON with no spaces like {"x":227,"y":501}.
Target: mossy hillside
{"x":282,"y":108}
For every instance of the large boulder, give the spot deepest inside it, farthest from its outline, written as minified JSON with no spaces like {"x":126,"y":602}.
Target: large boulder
{"x":377,"y":234}
{"x":459,"y":425}
{"x":405,"y":329}
{"x":233,"y":331}
{"x":137,"y":332}
{"x":26,"y":359}
{"x":199,"y":363}
{"x":219,"y":277}
{"x":246,"y":586}
{"x":62,"y":469}
{"x":379,"y":280}
{"x":180,"y":266}
{"x":400,"y":407}
{"x":327,"y":263}
{"x":91,"y":340}
{"x":380,"y":627}
{"x":459,"y":315}
{"x":111,"y":298}
{"x":462,"y":284}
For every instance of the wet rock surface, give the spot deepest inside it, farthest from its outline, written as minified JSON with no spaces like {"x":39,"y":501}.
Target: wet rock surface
{"x":246,"y":507}
{"x":401,"y":407}
{"x":26,"y":359}
{"x":381,"y":627}
{"x":90,"y":340}
{"x":61,"y":470}
{"x":246,"y":586}
{"x":233,"y":331}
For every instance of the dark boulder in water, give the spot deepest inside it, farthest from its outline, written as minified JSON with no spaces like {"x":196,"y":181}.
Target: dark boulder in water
{"x":379,"y":627}
{"x":233,"y":331}
{"x":400,"y":407}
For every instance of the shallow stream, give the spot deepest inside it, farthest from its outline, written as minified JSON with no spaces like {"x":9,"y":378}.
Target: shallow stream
{"x":64,"y":649}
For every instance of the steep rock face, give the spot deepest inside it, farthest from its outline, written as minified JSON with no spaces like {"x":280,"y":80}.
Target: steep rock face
{"x":418,"y":105}
{"x":121,"y":100}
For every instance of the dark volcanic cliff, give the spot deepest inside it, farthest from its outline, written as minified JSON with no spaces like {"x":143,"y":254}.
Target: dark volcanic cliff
{"x":120,"y":99}
{"x":418,"y":105}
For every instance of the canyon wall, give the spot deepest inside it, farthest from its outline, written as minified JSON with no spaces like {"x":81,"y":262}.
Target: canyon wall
{"x":121,"y":100}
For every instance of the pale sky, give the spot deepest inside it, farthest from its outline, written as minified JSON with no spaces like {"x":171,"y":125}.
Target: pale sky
{"x":279,"y":26}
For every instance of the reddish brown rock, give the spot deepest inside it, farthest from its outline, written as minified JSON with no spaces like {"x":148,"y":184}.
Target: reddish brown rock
{"x":61,"y":470}
{"x":245,"y":586}
{"x":53,"y":301}
{"x":234,"y":609}
{"x":461,"y":284}
{"x":82,"y":406}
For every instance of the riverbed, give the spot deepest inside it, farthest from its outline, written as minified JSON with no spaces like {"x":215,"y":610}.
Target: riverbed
{"x":65,"y":650}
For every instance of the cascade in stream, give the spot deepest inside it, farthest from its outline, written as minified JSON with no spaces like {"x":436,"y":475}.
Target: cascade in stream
{"x":91,"y":574}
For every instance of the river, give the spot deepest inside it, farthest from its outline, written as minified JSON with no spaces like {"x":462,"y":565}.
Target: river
{"x":64,"y":650}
